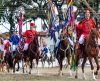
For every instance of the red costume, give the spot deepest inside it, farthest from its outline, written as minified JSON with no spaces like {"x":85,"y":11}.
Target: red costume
{"x":84,"y":27}
{"x":6,"y":42}
{"x":29,"y":34}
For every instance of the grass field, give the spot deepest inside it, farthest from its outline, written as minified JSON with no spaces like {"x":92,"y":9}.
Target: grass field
{"x":46,"y":74}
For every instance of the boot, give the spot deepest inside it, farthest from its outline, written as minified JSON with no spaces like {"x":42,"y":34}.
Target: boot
{"x":55,"y":52}
{"x":13,"y":54}
{"x":81,"y":50}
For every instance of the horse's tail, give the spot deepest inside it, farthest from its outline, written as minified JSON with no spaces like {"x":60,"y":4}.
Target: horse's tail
{"x":9,"y":60}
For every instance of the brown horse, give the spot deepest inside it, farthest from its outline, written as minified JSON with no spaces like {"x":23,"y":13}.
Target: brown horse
{"x":90,"y":50}
{"x":18,"y":56}
{"x":64,"y":51}
{"x":32,"y":53}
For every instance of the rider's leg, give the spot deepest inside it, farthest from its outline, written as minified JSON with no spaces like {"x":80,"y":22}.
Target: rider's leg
{"x":25,"y":48}
{"x":81,"y":41}
{"x":71,"y":42}
{"x":56,"y":47}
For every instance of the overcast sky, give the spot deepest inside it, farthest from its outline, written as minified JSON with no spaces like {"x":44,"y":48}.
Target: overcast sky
{"x":37,"y":23}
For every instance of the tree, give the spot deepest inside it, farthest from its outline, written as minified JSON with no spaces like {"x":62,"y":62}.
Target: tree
{"x":36,"y":8}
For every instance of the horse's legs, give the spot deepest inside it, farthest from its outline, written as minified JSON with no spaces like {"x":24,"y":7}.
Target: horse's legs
{"x":77,"y":62}
{"x":92,"y":68}
{"x":14,"y":63}
{"x":30,"y":66}
{"x":18,"y":66}
{"x":48,"y":60}
{"x":60,"y":63}
{"x":37,"y":59}
{"x":96,"y":60}
{"x":83,"y":64}
{"x":23,"y":64}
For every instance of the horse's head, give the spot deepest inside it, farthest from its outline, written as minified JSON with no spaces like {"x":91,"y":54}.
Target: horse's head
{"x":63,"y":39}
{"x":62,"y":36}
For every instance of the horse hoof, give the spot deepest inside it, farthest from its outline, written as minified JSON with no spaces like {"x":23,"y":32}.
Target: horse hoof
{"x":29,"y":72}
{"x":96,"y":73}
{"x":13,"y":71}
{"x":76,"y":77}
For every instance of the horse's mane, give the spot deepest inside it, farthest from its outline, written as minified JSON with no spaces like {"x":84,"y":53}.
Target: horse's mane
{"x":92,"y":35}
{"x":91,"y":40}
{"x":34,"y":43}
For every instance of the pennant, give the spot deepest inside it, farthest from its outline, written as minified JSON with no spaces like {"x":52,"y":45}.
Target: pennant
{"x":20,"y":23}
{"x":51,"y":18}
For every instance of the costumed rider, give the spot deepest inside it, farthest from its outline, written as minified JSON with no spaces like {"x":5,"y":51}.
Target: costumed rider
{"x":57,"y":43}
{"x":29,"y":34}
{"x":69,"y":33}
{"x":45,"y":49}
{"x":6,"y":43}
{"x":14,"y":41}
{"x":1,"y":46}
{"x":83,"y":29}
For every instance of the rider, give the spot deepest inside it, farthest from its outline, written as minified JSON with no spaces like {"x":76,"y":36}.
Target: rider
{"x":30,"y":34}
{"x":64,"y":30}
{"x":6,"y":43}
{"x":57,"y":43}
{"x":45,"y":49}
{"x":14,"y":40}
{"x":1,"y":46}
{"x":83,"y":29}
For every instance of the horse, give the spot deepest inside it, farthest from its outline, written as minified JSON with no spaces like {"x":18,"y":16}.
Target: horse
{"x":8,"y":60}
{"x":1,"y":61}
{"x":18,"y":55}
{"x":90,"y":50}
{"x":32,"y":53}
{"x":64,"y":51}
{"x":47,"y":57}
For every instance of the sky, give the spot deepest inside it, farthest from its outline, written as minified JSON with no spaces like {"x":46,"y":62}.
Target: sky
{"x":37,"y":23}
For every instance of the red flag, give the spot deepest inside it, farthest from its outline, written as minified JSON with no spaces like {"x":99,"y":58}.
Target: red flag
{"x":20,"y":23}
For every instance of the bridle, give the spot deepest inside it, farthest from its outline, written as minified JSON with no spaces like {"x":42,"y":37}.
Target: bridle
{"x":64,"y":50}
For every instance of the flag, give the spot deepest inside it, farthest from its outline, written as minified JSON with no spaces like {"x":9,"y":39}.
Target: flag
{"x":69,"y":13}
{"x":51,"y":18}
{"x":70,"y":19}
{"x":20,"y":23}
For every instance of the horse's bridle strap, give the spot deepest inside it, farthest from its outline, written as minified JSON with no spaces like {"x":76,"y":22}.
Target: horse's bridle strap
{"x":65,"y":49}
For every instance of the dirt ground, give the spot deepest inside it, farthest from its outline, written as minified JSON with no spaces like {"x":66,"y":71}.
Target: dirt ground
{"x":47,"y":74}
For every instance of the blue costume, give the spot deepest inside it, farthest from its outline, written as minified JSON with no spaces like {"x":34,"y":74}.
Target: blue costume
{"x":45,"y":50}
{"x":14,"y":39}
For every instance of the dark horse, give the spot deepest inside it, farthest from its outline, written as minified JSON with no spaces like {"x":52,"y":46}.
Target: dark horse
{"x":18,"y":57}
{"x":64,"y":51}
{"x":11,"y":59}
{"x":32,"y":53}
{"x":90,"y":50}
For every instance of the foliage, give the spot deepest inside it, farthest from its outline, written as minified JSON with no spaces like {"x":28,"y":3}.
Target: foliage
{"x":32,"y":11}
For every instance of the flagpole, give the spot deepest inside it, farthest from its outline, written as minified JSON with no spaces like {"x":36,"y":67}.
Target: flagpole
{"x":73,"y":55}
